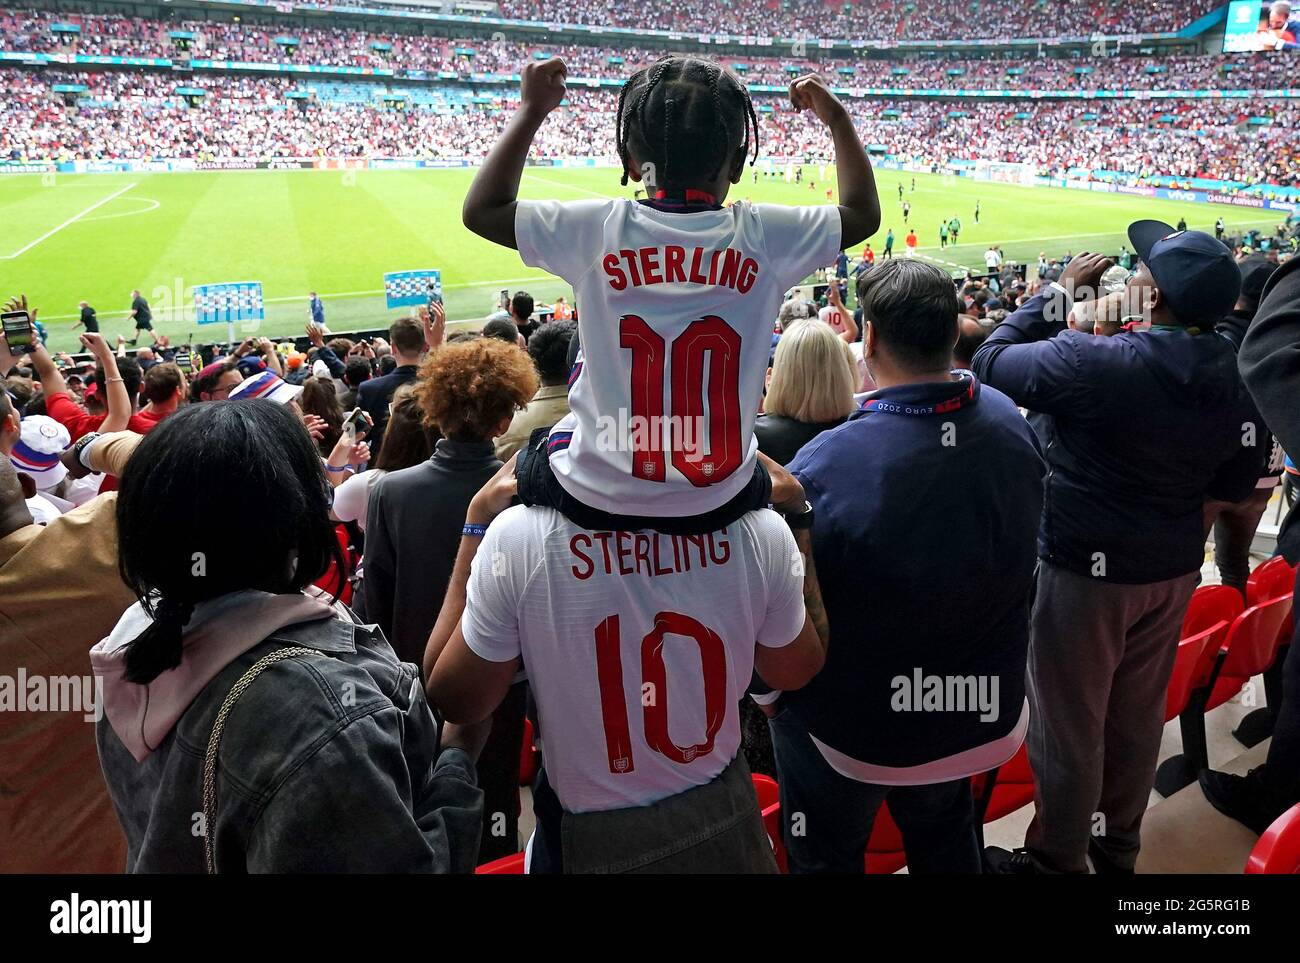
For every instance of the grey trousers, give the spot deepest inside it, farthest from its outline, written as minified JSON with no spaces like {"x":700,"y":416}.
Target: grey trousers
{"x":714,"y":828}
{"x":1100,"y":657}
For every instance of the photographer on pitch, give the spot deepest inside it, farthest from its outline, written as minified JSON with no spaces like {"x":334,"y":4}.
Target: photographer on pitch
{"x":1147,"y":425}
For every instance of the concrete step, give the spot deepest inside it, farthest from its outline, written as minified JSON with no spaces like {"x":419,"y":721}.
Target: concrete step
{"x":1185,"y":834}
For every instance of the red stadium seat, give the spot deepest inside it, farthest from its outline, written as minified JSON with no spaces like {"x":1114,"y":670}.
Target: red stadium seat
{"x":1249,"y":649}
{"x":885,"y":852}
{"x":528,"y":756}
{"x":1012,"y":787}
{"x":1278,"y":850}
{"x":766,"y":790}
{"x":512,"y":865}
{"x":1210,"y":605}
{"x":884,"y":849}
{"x":769,"y":804}
{"x":331,"y":583}
{"x":1192,"y":667}
{"x":1271,"y":580}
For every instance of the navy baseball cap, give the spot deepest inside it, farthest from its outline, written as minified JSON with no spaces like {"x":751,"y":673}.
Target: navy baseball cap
{"x":1195,"y":272}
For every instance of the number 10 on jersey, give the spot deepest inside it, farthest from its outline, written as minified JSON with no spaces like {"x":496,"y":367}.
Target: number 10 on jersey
{"x":708,"y":345}
{"x":654,"y":676}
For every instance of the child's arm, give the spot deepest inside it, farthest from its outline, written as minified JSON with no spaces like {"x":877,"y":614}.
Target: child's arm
{"x":489,"y":209}
{"x":850,"y":332}
{"x":859,"y":202}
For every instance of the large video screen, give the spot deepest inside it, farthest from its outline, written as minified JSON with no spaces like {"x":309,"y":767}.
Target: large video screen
{"x":1259,"y":25}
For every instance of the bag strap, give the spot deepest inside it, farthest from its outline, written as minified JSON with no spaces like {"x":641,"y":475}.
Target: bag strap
{"x":214,"y":743}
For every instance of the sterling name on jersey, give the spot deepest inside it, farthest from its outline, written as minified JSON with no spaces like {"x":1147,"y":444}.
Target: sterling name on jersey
{"x":638,"y":645}
{"x":675,"y":314}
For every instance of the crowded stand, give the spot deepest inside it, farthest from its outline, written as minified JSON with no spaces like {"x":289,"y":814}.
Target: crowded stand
{"x":123,"y":116}
{"x":109,"y":35}
{"x":764,"y":546}
{"x":887,"y":19}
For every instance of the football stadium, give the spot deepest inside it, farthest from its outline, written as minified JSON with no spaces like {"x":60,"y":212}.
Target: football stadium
{"x":427,"y":353}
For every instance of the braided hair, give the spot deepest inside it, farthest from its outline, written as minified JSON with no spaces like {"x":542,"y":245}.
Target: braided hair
{"x":688,"y":118}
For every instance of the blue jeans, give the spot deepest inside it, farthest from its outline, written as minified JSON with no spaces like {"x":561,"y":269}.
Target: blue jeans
{"x":937,"y":821}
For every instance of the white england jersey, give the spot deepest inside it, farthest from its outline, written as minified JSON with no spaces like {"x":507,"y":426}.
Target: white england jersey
{"x":638,"y":646}
{"x":675,"y":314}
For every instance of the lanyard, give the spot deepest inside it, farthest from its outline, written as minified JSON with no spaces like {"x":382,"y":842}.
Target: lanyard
{"x":961,"y":393}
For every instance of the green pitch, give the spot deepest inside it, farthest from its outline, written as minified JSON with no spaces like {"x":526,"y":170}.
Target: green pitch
{"x":95,"y":237}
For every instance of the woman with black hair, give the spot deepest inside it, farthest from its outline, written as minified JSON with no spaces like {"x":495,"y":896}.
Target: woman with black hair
{"x":321,"y":751}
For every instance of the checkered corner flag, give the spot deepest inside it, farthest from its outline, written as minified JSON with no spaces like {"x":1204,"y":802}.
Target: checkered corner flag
{"x":404,"y":289}
{"x":230,"y":303}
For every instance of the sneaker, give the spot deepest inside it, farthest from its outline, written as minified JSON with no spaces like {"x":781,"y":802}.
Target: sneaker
{"x":1010,"y":862}
{"x":1247,"y":799}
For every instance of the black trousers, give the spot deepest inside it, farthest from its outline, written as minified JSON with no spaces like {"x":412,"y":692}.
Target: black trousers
{"x":498,"y":777}
{"x":937,"y":821}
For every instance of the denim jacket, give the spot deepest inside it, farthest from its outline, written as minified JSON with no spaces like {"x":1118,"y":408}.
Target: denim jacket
{"x":327,"y":763}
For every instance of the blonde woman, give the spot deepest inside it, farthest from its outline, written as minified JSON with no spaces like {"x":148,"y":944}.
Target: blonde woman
{"x":810,"y":388}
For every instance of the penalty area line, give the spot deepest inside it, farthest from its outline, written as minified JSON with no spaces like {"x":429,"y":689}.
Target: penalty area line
{"x":72,"y":220}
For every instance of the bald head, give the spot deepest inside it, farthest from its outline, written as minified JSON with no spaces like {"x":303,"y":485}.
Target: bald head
{"x":15,"y":489}
{"x":9,"y":425}
{"x":970,"y":335}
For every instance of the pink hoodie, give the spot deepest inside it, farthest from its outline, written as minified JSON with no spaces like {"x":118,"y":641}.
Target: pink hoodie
{"x":221,"y":630}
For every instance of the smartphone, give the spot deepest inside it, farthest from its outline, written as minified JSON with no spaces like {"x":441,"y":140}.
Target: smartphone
{"x":183,"y":362}
{"x":434,"y":298}
{"x":18,"y":332}
{"x":359,"y":420}
{"x":505,"y":300}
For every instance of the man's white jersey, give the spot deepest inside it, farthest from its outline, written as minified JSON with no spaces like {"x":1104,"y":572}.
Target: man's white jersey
{"x":675,"y":314}
{"x":638,"y":646}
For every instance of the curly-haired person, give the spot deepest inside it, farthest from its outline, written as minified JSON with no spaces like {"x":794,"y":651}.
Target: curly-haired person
{"x":469,"y":391}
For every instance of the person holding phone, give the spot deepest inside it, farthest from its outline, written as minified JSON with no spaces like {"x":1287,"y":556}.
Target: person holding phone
{"x":19,"y":331}
{"x":118,"y":381}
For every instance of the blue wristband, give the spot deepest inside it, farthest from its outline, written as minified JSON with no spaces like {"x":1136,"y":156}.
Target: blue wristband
{"x":329,"y":467}
{"x":477,"y":530}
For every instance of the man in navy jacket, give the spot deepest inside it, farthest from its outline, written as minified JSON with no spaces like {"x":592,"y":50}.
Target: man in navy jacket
{"x":373,"y":397}
{"x":1146,"y":426}
{"x":926,"y":505}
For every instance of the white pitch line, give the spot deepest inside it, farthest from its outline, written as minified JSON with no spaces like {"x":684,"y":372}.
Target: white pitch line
{"x":143,"y":210}
{"x":75,"y":217}
{"x":569,"y":187}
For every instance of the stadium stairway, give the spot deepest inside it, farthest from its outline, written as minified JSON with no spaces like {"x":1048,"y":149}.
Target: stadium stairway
{"x":1185,"y":834}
